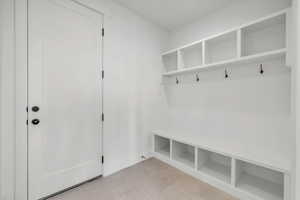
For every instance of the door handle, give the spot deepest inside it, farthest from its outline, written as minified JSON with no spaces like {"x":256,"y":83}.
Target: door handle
{"x":35,"y":121}
{"x":35,"y":108}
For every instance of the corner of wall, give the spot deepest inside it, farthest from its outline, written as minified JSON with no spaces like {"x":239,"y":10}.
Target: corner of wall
{"x":296,"y":6}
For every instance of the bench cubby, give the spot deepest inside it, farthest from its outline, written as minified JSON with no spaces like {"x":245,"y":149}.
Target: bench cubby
{"x":183,"y":153}
{"x":239,"y":176}
{"x":214,"y":164}
{"x":162,"y":145}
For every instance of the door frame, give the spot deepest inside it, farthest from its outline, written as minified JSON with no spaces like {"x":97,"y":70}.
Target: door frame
{"x":21,"y":89}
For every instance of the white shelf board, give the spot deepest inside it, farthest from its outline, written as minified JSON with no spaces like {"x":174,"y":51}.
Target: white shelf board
{"x":186,"y":159}
{"x":241,"y":60}
{"x":216,"y":170}
{"x":259,"y":187}
{"x":169,"y":52}
{"x":272,"y":159}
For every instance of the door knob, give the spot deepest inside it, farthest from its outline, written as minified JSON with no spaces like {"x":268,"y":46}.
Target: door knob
{"x":35,"y":108}
{"x":35,"y":121}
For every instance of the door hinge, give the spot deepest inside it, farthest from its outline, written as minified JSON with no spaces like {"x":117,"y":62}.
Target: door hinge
{"x":27,"y":122}
{"x":27,"y":109}
{"x":102,"y":118}
{"x":102,"y":159}
{"x":102,"y":32}
{"x":102,"y":74}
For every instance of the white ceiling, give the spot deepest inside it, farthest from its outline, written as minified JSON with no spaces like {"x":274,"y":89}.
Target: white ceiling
{"x":171,"y":14}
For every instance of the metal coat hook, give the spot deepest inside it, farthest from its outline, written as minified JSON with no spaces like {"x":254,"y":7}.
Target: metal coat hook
{"x":261,"y":69}
{"x":177,"y":81}
{"x":226,"y":73}
{"x":197,"y":78}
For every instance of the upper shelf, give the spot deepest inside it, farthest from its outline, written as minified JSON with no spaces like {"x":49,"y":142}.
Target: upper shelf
{"x":257,"y":41}
{"x":242,"y":60}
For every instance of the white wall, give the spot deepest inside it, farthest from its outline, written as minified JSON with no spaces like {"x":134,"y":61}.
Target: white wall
{"x":7,"y":80}
{"x":248,"y":111}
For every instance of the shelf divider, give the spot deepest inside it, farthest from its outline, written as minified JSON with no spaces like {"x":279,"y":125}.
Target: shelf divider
{"x":233,"y":172}
{"x":203,"y":53}
{"x":239,"y":43}
{"x":180,"y":63}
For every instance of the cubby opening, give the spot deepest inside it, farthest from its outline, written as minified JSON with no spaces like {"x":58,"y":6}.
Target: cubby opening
{"x":170,"y":61}
{"x":215,"y":165}
{"x":162,"y":145}
{"x":192,"y":56}
{"x":221,"y":48}
{"x":260,"y":181}
{"x":268,"y":35}
{"x":183,"y":153}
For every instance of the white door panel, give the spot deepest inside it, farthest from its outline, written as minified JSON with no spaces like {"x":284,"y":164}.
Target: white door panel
{"x":64,"y":74}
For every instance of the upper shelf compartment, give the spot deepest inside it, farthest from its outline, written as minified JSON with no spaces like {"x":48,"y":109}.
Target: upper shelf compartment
{"x":192,"y":56}
{"x":170,"y":61}
{"x":267,"y":35}
{"x":221,"y":48}
{"x":261,"y":40}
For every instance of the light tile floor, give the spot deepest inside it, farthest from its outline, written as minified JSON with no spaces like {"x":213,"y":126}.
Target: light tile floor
{"x":148,"y":180}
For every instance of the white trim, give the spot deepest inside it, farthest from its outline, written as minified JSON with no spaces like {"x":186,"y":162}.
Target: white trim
{"x":21,"y":99}
{"x":7,"y":107}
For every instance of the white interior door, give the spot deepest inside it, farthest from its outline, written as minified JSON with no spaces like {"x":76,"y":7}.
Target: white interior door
{"x":64,"y":81}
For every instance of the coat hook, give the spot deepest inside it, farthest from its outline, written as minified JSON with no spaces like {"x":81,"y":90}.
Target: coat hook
{"x":226,"y":73}
{"x":177,"y":81}
{"x":261,"y":69}
{"x":197,"y":78}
